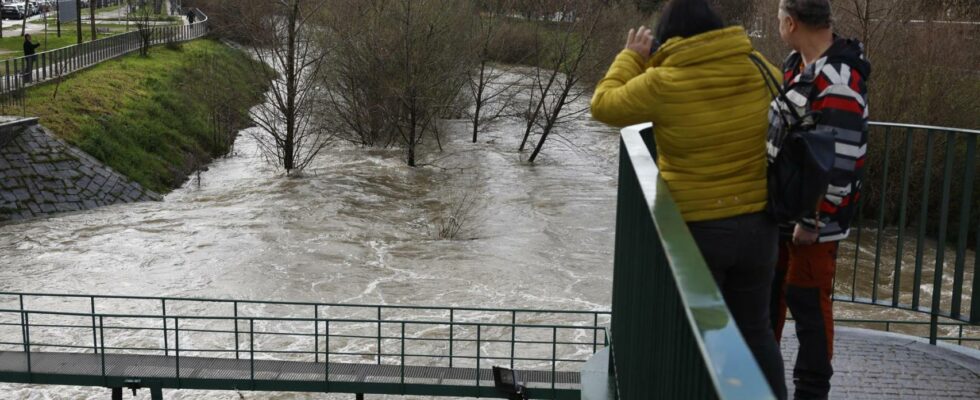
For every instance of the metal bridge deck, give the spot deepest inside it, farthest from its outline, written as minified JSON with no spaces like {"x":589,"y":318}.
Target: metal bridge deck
{"x":218,"y":373}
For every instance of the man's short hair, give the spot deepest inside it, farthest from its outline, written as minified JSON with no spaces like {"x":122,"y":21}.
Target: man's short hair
{"x":813,"y":13}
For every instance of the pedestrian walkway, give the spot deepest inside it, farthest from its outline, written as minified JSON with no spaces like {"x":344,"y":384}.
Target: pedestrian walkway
{"x":877,"y":365}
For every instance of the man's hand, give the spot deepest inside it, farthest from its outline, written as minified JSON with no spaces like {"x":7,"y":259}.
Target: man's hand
{"x":640,"y":41}
{"x":803,"y":236}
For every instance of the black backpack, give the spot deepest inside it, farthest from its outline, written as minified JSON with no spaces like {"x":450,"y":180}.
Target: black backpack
{"x":799,"y":172}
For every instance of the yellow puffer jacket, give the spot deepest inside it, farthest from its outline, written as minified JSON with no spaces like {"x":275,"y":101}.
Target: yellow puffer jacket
{"x":709,"y":106}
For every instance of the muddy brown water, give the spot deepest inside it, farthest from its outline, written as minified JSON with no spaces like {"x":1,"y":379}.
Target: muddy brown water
{"x":361,"y":227}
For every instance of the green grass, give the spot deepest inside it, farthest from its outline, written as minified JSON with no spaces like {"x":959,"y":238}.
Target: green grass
{"x":148,"y":117}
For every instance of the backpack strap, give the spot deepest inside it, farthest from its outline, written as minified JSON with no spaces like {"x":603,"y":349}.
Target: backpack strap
{"x":775,"y":89}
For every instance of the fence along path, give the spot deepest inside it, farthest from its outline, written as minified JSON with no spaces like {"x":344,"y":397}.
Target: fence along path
{"x":187,"y":343}
{"x":19,"y":73}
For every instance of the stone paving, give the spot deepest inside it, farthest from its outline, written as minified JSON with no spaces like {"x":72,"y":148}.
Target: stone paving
{"x":41,"y":175}
{"x":878,"y":365}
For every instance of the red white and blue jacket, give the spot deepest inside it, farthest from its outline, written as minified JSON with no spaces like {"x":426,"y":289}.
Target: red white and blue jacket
{"x":830,"y":94}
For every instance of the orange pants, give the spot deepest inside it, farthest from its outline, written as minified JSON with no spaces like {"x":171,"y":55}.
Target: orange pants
{"x":804,"y":284}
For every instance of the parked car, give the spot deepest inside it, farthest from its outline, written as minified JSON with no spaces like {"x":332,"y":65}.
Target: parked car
{"x":15,"y":11}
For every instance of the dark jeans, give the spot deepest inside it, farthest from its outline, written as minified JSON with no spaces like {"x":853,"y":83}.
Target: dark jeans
{"x":29,"y":69}
{"x":742,"y":252}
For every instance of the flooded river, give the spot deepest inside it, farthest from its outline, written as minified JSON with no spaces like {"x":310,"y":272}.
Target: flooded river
{"x":358,"y":227}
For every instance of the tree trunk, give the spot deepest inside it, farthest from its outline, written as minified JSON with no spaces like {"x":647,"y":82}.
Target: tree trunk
{"x":78,"y":20}
{"x":91,"y":13}
{"x":291,"y":89}
{"x":481,"y":86}
{"x":551,"y":121}
{"x":537,"y":110}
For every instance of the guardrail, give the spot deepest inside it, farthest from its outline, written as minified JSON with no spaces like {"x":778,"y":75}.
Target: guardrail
{"x":672,"y":334}
{"x":16,"y":74}
{"x":911,"y":245}
{"x":401,"y":337}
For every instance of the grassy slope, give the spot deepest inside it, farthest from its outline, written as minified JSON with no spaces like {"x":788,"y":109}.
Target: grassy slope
{"x":146,"y":117}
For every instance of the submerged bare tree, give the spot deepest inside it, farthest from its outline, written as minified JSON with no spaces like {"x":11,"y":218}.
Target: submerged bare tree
{"x":399,"y":67}
{"x":571,"y":54}
{"x":292,"y":130}
{"x":492,"y":95}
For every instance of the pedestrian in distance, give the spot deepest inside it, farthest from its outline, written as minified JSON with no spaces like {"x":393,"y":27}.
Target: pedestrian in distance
{"x":191,"y":17}
{"x":30,"y":55}
{"x":825,"y":95}
{"x":703,"y":91}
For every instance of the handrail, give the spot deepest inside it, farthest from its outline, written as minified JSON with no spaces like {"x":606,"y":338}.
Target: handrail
{"x":554,"y":349}
{"x":672,"y":334}
{"x":295,"y":319}
{"x":301,"y":303}
{"x":924,"y":127}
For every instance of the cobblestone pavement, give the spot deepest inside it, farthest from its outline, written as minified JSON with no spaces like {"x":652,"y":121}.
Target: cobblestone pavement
{"x":878,"y":365}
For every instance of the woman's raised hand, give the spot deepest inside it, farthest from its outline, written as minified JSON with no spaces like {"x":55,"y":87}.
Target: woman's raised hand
{"x":640,"y":41}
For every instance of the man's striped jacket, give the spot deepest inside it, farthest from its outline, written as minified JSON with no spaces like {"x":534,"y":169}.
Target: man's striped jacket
{"x":830,"y":95}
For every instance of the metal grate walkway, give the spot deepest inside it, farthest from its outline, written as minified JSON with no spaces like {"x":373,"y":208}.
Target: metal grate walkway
{"x":202,"y":368}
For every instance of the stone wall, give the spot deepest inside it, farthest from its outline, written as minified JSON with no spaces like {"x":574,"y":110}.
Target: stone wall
{"x":42,"y":175}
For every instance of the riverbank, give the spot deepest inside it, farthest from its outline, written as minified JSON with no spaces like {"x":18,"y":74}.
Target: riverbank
{"x":155,"y":119}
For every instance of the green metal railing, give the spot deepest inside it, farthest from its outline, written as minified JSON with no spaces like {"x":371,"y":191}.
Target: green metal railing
{"x":913,"y":241}
{"x":672,"y":334}
{"x":551,"y":341}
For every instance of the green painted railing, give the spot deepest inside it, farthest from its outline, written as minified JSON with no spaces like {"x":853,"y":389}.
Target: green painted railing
{"x":400,"y":337}
{"x":913,"y":243}
{"x":673,"y":337}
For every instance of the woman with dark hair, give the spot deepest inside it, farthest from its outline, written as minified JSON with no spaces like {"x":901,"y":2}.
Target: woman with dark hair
{"x":709,"y":102}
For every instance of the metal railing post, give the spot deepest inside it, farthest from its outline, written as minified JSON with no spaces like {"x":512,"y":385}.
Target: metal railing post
{"x":251,"y":349}
{"x":236,"y":331}
{"x":326,"y":357}
{"x":23,"y":325}
{"x":316,"y":334}
{"x":595,"y":332}
{"x":452,"y":326}
{"x":478,"y":354}
{"x":881,"y":216}
{"x":105,"y":379}
{"x":923,"y":220}
{"x":379,"y":335}
{"x":937,"y":284}
{"x":403,"y":358}
{"x":513,"y":336}
{"x":903,"y":206}
{"x":27,"y":345}
{"x":554,"y":357}
{"x":166,"y":346}
{"x":177,"y":347}
{"x":95,"y":342}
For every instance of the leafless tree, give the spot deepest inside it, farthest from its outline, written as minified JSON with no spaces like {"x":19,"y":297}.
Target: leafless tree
{"x":292,"y":131}
{"x":143,"y":19}
{"x":575,"y":52}
{"x":492,"y":97}
{"x":400,"y":67}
